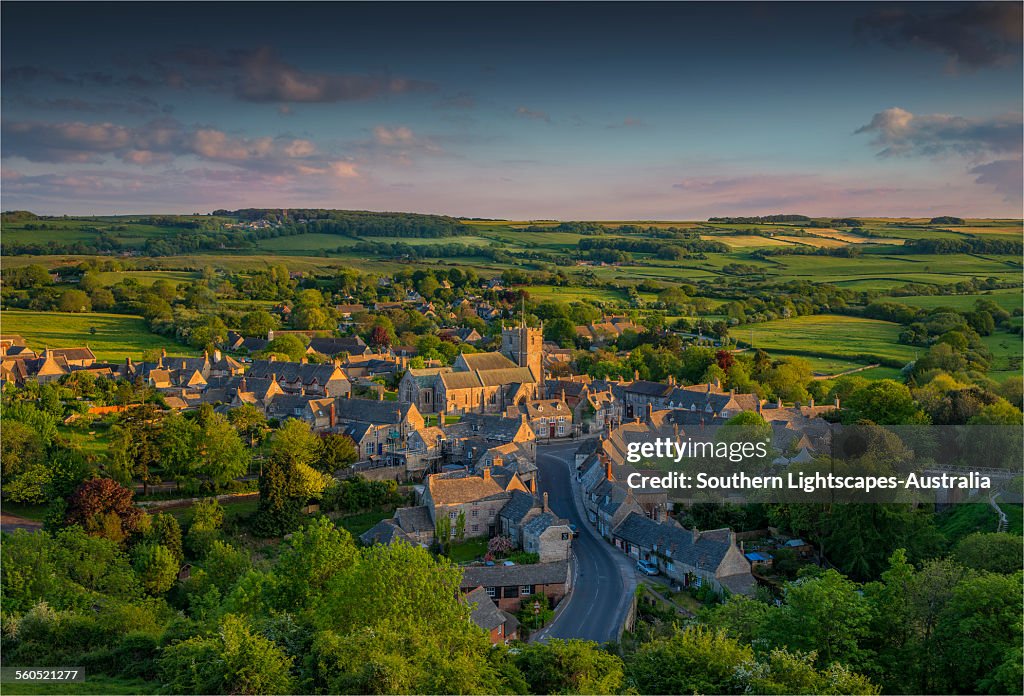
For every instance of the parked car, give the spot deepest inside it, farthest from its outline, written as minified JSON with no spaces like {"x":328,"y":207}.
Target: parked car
{"x":647,"y":567}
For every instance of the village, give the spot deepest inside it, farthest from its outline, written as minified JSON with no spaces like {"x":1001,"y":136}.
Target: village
{"x":466,"y":439}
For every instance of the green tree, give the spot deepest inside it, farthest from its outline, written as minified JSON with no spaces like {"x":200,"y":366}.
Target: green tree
{"x":74,"y":301}
{"x":156,"y":566}
{"x":571,"y":667}
{"x":258,"y":322}
{"x":337,"y":452}
{"x":990,"y":551}
{"x":233,"y":660}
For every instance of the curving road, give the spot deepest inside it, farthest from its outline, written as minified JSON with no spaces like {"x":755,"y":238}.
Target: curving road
{"x":604,"y":579}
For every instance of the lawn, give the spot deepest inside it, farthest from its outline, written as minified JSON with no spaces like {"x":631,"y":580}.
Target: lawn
{"x":234,"y":509}
{"x":117,"y":336}
{"x":470,"y":550}
{"x":828,"y":335}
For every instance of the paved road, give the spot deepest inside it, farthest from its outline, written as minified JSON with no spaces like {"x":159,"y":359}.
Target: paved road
{"x":598,"y":603}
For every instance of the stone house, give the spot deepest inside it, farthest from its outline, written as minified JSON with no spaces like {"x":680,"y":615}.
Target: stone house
{"x":508,"y":586}
{"x":690,"y":557}
{"x":479,"y":498}
{"x":501,"y":626}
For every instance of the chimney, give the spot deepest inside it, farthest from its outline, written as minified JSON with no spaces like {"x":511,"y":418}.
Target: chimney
{"x":217,"y":355}
{"x":544,"y":502}
{"x":608,"y":470}
{"x":696,"y":535}
{"x":778,"y":402}
{"x":650,"y":412}
{"x":333,"y":415}
{"x":270,"y":335}
{"x":348,"y":394}
{"x":709,"y":387}
{"x":273,"y":377}
{"x":380,"y":394}
{"x":303,"y":360}
{"x":759,"y":404}
{"x":487,"y":473}
{"x":811,"y":404}
{"x":837,"y":401}
{"x":128,"y":363}
{"x":636,"y":375}
{"x":272,"y":357}
{"x":163,"y":352}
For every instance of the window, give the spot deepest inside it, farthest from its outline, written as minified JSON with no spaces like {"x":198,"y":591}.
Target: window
{"x":490,"y":513}
{"x":452,"y":515}
{"x":476,"y":513}
{"x":561,"y":430}
{"x":369,"y":448}
{"x":565,"y":536}
{"x":492,"y":592}
{"x":561,"y":419}
{"x":525,"y":590}
{"x":476,"y":527}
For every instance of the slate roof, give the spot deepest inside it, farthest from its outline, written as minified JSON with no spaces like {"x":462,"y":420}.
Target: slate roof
{"x":385,"y":532}
{"x":541,"y":522}
{"x":414,"y":519}
{"x":83,"y":353}
{"x":460,"y":380}
{"x":706,"y":553}
{"x":485,"y":614}
{"x":518,"y":506}
{"x":647,"y":388}
{"x":508,"y":375}
{"x":372,"y":411}
{"x":333,"y":346}
{"x":492,"y":426}
{"x":425,"y":377}
{"x":499,"y":575}
{"x":307,"y":373}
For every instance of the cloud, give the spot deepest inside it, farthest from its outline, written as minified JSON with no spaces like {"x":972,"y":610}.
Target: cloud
{"x":973,"y":35}
{"x":900,"y":132}
{"x":393,"y":136}
{"x":160,"y":141}
{"x":253,"y":75}
{"x":532,"y":114}
{"x":1006,"y":177}
{"x":266,"y":78}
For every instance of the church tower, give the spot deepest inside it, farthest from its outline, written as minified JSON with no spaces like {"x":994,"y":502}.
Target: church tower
{"x":524,"y":346}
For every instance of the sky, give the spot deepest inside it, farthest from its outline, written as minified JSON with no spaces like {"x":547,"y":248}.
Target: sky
{"x":519,"y":111}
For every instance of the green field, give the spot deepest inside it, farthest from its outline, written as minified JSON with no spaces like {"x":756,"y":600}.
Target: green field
{"x":147,"y":277}
{"x":829,"y":336}
{"x":1007,"y":299}
{"x":117,"y":336}
{"x":1007,"y":353}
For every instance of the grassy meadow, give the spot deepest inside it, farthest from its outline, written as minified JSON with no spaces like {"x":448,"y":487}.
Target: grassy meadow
{"x":116,"y":337}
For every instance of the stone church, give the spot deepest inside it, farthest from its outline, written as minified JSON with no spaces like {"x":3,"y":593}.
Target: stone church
{"x":481,"y":382}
